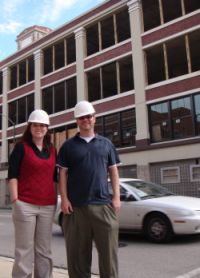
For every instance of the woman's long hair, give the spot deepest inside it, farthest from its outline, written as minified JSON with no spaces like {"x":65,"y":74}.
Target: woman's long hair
{"x":27,"y":137}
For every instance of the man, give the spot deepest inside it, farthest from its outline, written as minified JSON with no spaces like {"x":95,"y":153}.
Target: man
{"x":85,"y":161}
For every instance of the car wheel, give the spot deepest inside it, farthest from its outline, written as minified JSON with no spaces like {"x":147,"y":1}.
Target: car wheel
{"x":157,"y":228}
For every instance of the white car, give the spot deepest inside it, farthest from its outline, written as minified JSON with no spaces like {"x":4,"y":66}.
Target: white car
{"x":153,"y":210}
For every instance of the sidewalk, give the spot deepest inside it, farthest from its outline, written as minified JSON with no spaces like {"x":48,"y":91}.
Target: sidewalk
{"x":7,"y":263}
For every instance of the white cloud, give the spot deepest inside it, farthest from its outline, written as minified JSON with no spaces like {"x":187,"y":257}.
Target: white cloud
{"x":10,"y":7}
{"x":52,"y":9}
{"x":9,"y":27}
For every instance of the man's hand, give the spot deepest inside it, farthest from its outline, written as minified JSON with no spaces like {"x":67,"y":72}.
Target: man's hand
{"x":66,"y":206}
{"x":116,"y":204}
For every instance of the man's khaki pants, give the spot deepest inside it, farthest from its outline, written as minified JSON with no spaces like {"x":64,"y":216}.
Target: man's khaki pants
{"x":81,"y":227}
{"x":33,"y":233}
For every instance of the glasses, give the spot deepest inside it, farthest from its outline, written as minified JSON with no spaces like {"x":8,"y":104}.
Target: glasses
{"x":88,"y":117}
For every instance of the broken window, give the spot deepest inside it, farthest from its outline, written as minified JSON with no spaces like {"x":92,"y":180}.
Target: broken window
{"x":59,"y":97}
{"x":191,"y":5}
{"x":19,"y":110}
{"x":126,"y":74}
{"x":171,"y":9}
{"x":59,"y":49}
{"x":48,"y":60}
{"x":94,"y":85}
{"x":109,"y":80}
{"x":107,"y":32}
{"x":92,"y":37}
{"x":31,"y":68}
{"x":47,"y":99}
{"x":13,"y":77}
{"x":176,"y":57}
{"x":22,"y":73}
{"x":71,"y":97}
{"x":71,"y":50}
{"x":123,"y":25}
{"x":30,"y":104}
{"x":1,"y":82}
{"x":194,"y":45}
{"x":155,"y":64}
{"x":151,"y":14}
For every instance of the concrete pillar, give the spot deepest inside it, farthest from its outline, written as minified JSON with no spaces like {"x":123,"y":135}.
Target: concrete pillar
{"x":139,"y":70}
{"x":4,"y":146}
{"x":142,"y":135}
{"x":38,"y":74}
{"x":80,"y":37}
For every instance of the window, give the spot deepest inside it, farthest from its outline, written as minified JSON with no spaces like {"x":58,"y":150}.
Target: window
{"x":59,"y":55}
{"x":48,"y":60}
{"x":1,"y":82}
{"x":177,"y":60}
{"x":170,"y":175}
{"x":151,"y":14}
{"x":126,"y":74}
{"x":13,"y":77}
{"x":109,"y":78}
{"x":120,"y":128}
{"x":22,"y":73}
{"x":59,"y":97}
{"x":171,"y":9}
{"x":175,"y":119}
{"x":107,"y":32}
{"x":181,"y":115}
{"x":128,"y":128}
{"x":194,"y":45}
{"x":194,"y":172}
{"x":94,"y":84}
{"x":92,"y":38}
{"x":111,"y":128}
{"x":19,"y":110}
{"x":59,"y":49}
{"x":47,"y":100}
{"x":197,"y":113}
{"x":71,"y":50}
{"x":155,"y":70}
{"x":123,"y":26}
{"x":160,"y":122}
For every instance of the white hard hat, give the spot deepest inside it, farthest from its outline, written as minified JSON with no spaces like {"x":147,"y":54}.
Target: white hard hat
{"x":83,"y":108}
{"x":39,"y":116}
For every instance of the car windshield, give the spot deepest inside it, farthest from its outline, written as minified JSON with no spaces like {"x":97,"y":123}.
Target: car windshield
{"x":146,"y":190}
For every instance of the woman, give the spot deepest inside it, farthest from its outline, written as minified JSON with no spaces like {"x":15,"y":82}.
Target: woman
{"x":31,"y":176}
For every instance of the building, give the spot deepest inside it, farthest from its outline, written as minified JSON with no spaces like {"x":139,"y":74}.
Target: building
{"x":138,"y":62}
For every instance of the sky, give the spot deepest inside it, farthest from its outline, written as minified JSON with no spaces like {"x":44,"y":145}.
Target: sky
{"x":17,"y":15}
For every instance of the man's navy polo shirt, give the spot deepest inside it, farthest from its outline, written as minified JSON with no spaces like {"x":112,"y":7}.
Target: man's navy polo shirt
{"x":87,"y":165}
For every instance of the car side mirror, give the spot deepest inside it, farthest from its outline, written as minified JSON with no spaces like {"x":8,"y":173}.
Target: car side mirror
{"x":126,"y":197}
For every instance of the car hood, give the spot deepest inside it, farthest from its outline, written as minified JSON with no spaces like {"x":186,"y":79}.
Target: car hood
{"x":177,"y":201}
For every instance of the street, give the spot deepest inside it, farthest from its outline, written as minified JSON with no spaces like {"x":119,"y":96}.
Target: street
{"x":137,"y":257}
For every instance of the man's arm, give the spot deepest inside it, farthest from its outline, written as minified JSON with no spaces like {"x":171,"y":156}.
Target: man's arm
{"x":114,"y":177}
{"x":65,"y":203}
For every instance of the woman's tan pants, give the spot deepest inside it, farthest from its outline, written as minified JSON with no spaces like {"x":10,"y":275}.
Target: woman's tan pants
{"x":33,"y":233}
